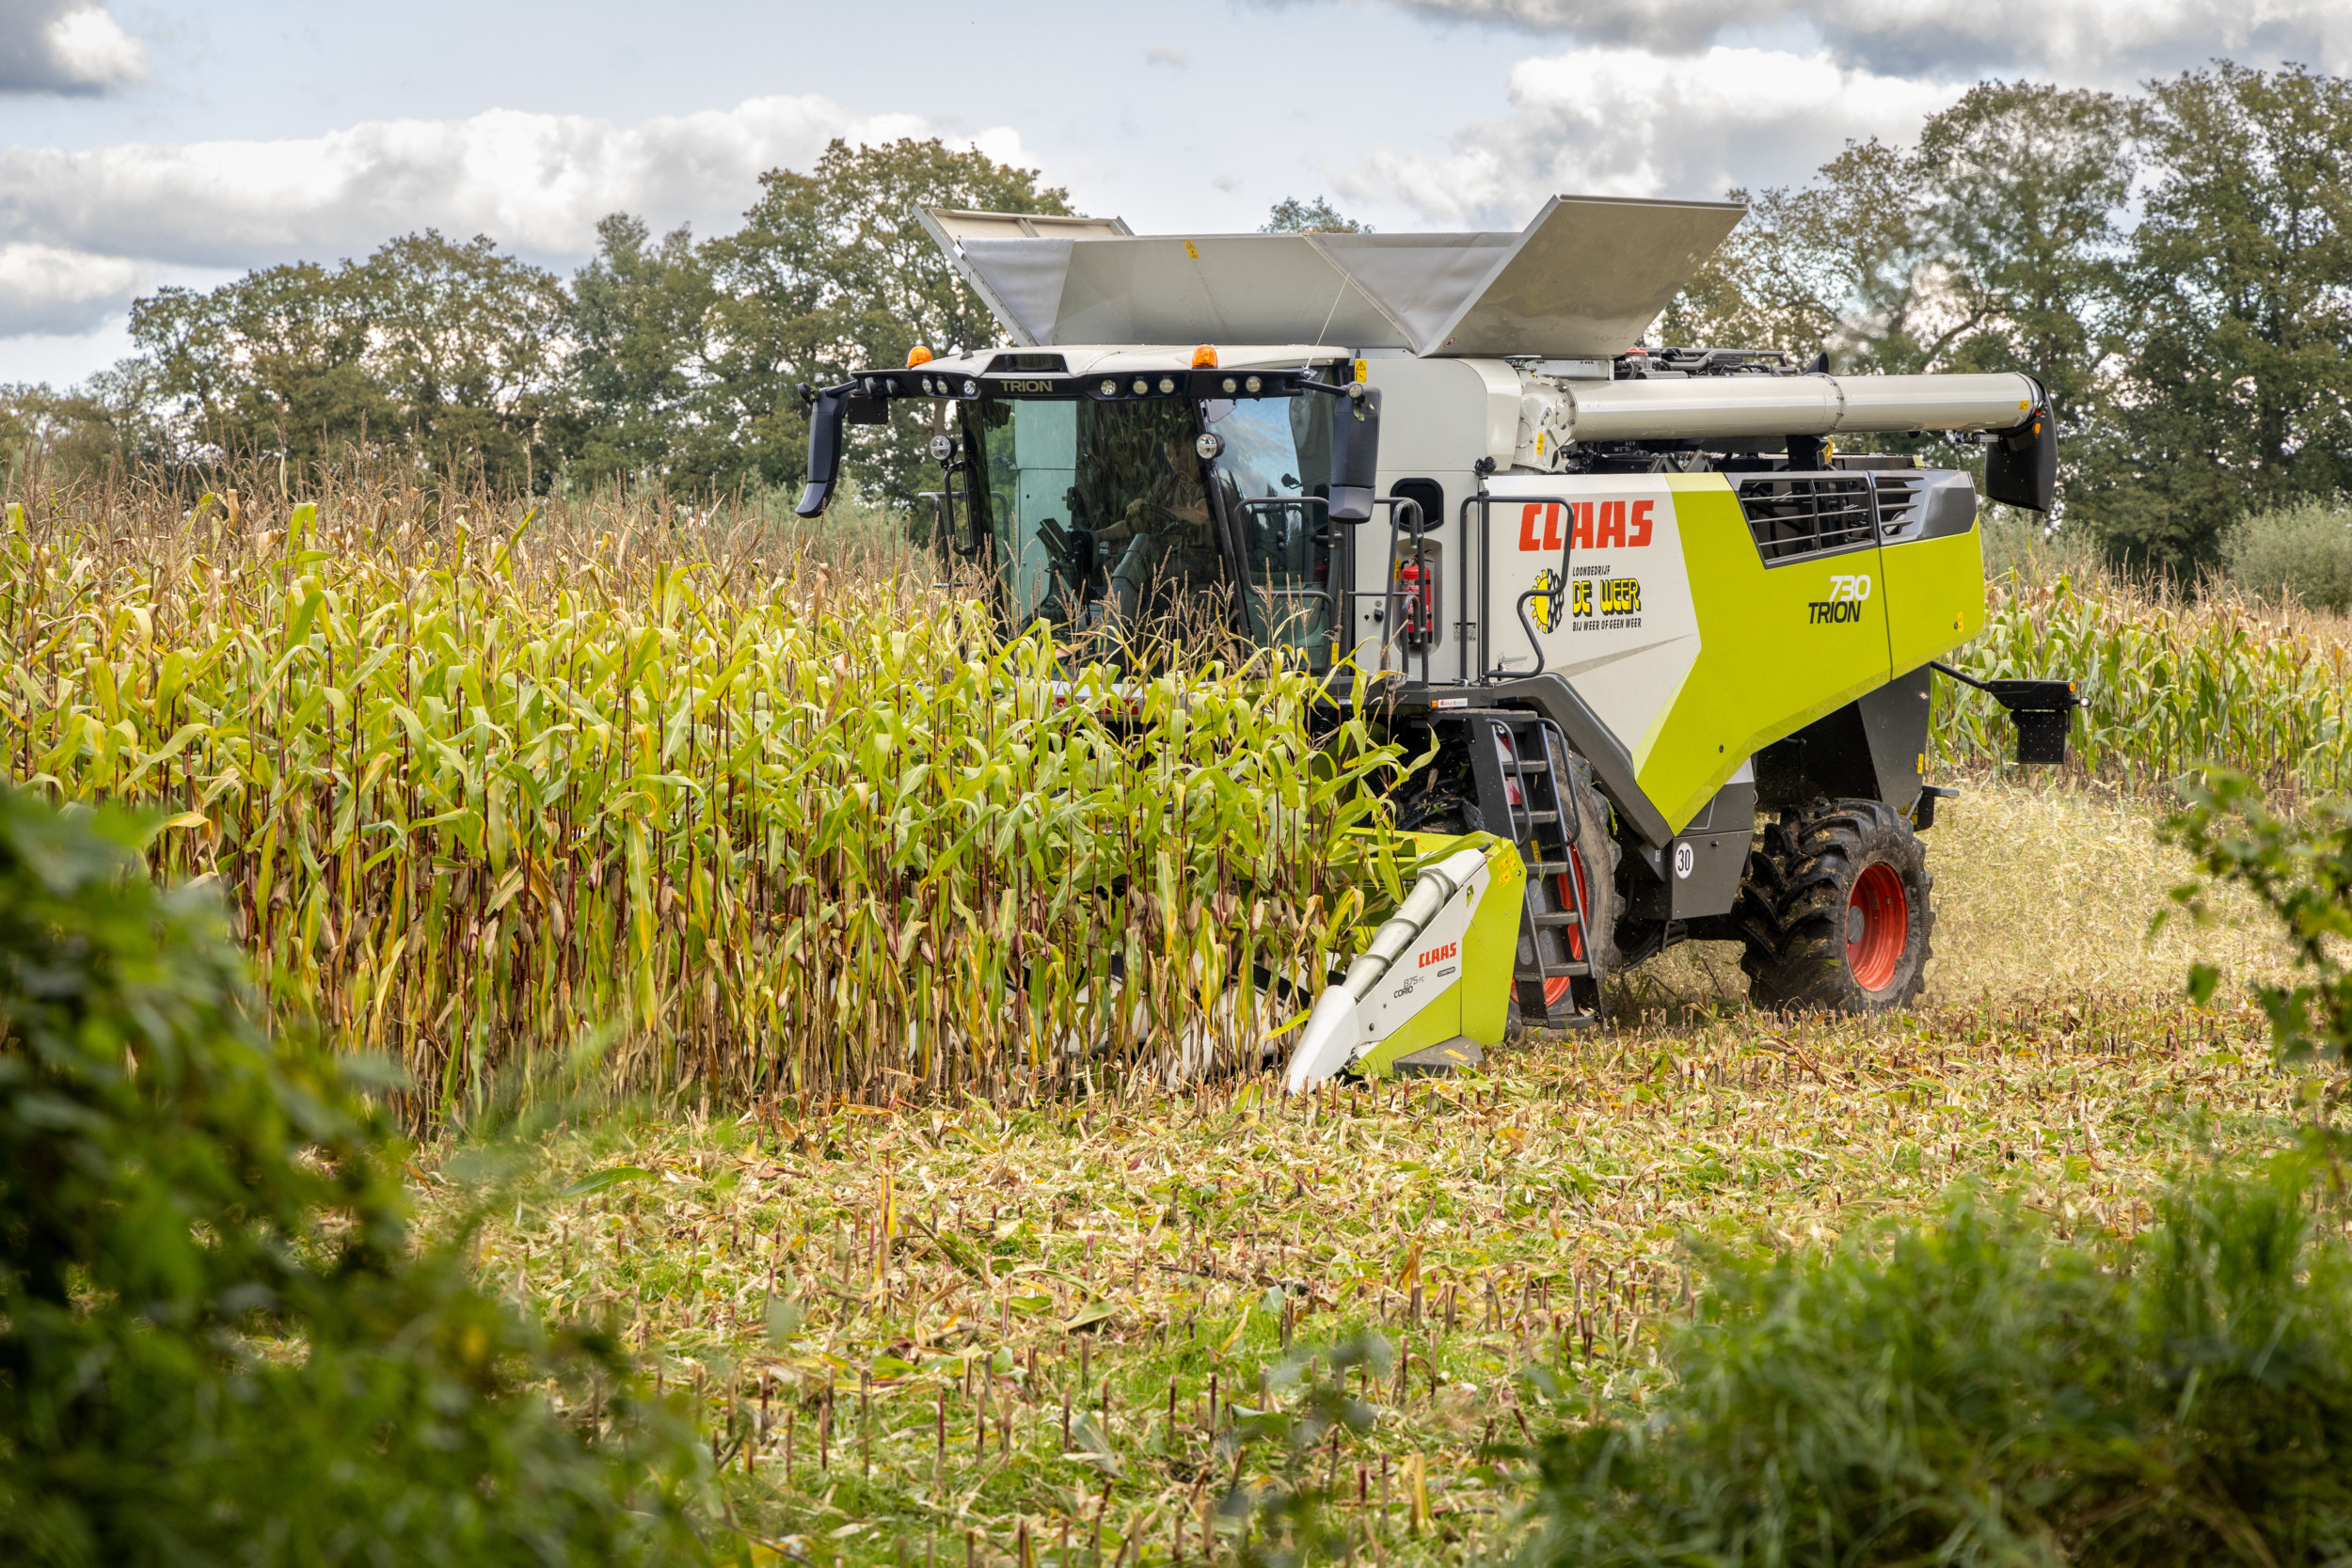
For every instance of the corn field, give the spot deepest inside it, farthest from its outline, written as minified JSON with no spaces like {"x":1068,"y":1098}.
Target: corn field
{"x":768,"y":823}
{"x":2166,"y":683}
{"x":472,"y":797}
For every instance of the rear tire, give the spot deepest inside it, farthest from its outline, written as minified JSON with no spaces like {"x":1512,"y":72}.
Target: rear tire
{"x":1835,"y":910}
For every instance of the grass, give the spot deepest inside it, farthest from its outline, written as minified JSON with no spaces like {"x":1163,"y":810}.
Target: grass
{"x":1974,"y":1388}
{"x":2043,"y":888}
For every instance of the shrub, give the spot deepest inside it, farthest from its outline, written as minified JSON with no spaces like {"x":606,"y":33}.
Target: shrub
{"x":2301,"y":872}
{"x":1985,"y":1390}
{"x":2304,"y":548}
{"x":217,"y":1341}
{"x":1980,"y":1390}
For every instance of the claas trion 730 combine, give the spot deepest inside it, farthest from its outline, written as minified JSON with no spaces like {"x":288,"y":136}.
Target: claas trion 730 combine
{"x":1671,"y":646}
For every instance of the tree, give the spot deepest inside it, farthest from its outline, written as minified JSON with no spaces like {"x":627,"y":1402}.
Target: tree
{"x":444,"y":349}
{"x":1993,"y":246}
{"x":2233,"y":389}
{"x":271,"y":363}
{"x":105,"y":424}
{"x":640,"y":376}
{"x":1291,"y":215}
{"x":1830,"y":267}
{"x":833,"y":272}
{"x":463,"y":341}
{"x":2029,"y":180}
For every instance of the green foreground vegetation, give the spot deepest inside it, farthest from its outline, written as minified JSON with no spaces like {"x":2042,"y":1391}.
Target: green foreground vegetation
{"x":220,"y":1340}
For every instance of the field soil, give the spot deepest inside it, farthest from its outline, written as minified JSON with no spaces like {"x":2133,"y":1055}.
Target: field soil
{"x":2042,"y":891}
{"x":1099,"y":1331}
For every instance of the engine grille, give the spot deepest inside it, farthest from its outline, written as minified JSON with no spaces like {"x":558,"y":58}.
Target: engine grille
{"x":1794,"y":515}
{"x":1897,"y":492}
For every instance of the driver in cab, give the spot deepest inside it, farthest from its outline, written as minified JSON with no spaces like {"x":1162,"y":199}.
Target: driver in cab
{"x":1168,"y":533}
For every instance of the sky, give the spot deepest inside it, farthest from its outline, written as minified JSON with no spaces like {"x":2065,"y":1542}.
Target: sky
{"x":151,"y":142}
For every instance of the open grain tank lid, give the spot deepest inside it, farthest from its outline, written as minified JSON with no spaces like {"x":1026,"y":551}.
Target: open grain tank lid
{"x":1580,"y":282}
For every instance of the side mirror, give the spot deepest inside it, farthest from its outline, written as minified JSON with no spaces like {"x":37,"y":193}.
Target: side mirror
{"x":2020,"y":469}
{"x":826,"y":411}
{"x":1355,"y":452}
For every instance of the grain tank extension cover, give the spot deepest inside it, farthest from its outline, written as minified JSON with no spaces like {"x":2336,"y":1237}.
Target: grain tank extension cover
{"x":1580,"y":282}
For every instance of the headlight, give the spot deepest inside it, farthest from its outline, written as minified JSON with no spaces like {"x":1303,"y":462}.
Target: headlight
{"x":1230,"y":384}
{"x":1252,"y":385}
{"x":1168,"y":385}
{"x":1210,"y":444}
{"x":927,"y":386}
{"x":1110,"y":389}
{"x":1141,"y":385}
{"x":942,"y":448}
{"x":971,"y":388}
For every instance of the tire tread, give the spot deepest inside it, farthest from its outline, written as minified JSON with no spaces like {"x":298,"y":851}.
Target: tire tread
{"x":1790,"y":913}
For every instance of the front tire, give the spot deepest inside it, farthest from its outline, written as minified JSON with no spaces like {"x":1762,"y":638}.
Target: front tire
{"x":1835,"y":910}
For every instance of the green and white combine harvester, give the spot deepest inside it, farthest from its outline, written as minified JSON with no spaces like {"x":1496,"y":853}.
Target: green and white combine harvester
{"x":1672,"y":646}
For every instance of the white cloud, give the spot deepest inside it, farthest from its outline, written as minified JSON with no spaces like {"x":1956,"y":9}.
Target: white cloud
{"x":65,"y":46}
{"x":1166,"y":53}
{"x":45,"y":289}
{"x":2105,"y":40}
{"x":535,"y":182}
{"x":1619,"y":122}
{"x":82,"y":233}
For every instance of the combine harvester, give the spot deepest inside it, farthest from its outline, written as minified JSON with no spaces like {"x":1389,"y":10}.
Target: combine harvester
{"x":1671,"y":646}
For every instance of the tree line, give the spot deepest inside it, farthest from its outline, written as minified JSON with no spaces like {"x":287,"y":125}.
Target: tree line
{"x":2175,"y":265}
{"x":667,"y":362}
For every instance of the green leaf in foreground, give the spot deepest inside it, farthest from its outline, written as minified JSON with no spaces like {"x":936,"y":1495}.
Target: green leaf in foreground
{"x":605,"y":1181}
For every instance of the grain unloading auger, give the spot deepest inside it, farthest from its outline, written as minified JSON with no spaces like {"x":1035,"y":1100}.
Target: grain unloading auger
{"x":1667,"y":645}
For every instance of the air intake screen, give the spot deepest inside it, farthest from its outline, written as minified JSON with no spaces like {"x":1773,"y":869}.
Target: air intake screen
{"x":1795,"y":515}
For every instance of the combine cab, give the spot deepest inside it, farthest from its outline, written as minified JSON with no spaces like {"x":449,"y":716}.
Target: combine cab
{"x":1671,"y":643}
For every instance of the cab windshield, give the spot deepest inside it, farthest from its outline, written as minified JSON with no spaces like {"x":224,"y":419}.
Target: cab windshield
{"x":1103,"y":516}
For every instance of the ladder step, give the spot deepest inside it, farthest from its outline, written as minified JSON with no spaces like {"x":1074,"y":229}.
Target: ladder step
{"x":1563,"y":917}
{"x":1576,"y":969}
{"x":1548,"y":868}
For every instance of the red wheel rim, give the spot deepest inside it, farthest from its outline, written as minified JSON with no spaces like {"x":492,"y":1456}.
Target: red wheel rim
{"x":1571,"y":883}
{"x":1878,"y":926}
{"x":1572,"y":897}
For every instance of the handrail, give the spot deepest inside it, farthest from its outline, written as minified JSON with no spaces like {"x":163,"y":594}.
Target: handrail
{"x":1567,"y":539}
{"x":1390,"y":598}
